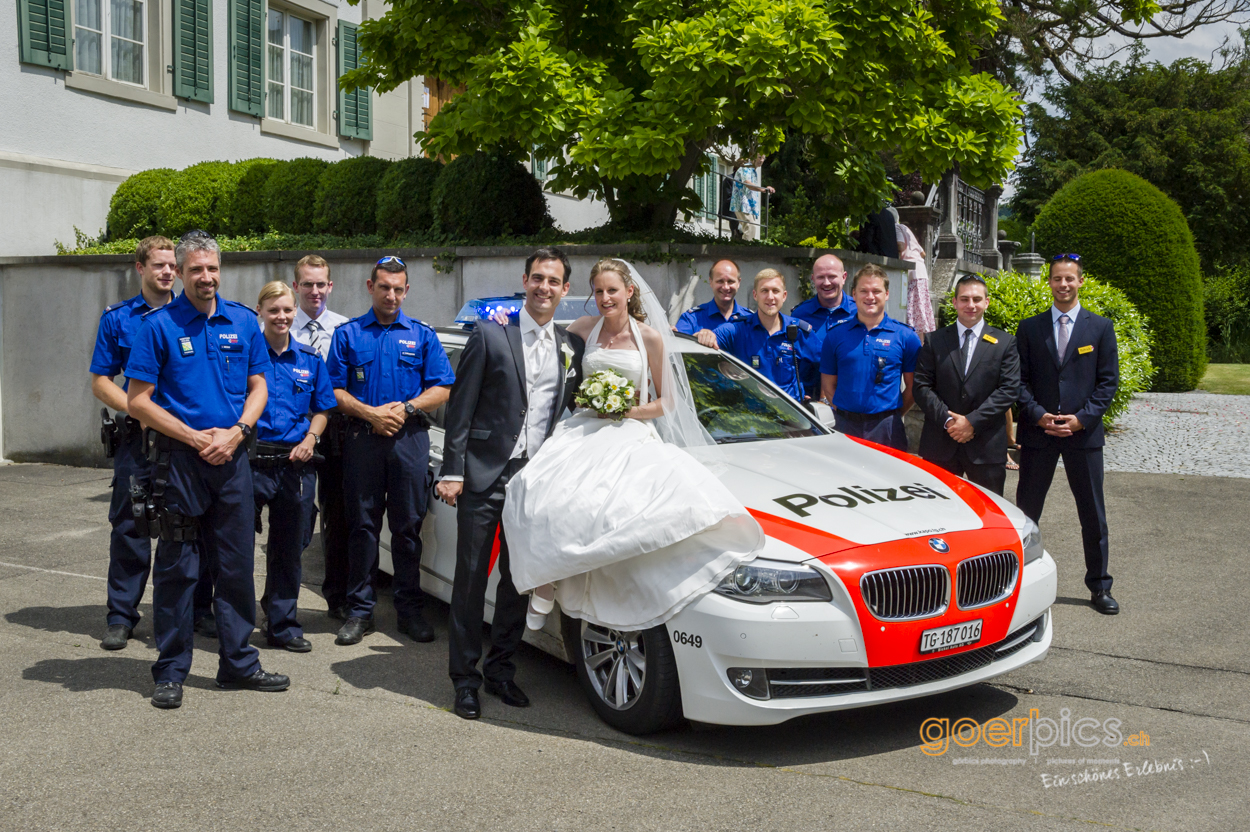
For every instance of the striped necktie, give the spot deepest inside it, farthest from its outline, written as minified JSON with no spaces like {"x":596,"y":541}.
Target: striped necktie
{"x":319,"y":337}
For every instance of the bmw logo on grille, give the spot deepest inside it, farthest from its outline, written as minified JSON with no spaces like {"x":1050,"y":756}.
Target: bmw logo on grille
{"x":939,"y":545}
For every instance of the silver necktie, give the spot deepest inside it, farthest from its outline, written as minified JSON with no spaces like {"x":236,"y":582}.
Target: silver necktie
{"x":1063,"y":335}
{"x":317,"y":335}
{"x":967,"y":351}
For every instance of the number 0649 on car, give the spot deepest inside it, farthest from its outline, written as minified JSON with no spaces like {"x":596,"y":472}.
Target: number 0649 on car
{"x":945,"y":638}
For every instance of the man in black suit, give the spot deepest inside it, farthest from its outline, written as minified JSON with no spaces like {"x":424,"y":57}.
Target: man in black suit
{"x":512,"y":384}
{"x":967,"y":377}
{"x":1069,"y":371}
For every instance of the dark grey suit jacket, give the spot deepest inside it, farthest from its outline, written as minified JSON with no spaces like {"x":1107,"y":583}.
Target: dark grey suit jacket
{"x":984,"y":394}
{"x":486,"y":411}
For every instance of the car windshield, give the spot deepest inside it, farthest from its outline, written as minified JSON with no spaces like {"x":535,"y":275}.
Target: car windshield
{"x":735,"y":406}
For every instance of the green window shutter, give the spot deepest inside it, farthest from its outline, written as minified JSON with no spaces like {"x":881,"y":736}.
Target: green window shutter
{"x":711,"y":188}
{"x":246,"y":70}
{"x":193,"y":50}
{"x":44,"y":37}
{"x":354,"y":117}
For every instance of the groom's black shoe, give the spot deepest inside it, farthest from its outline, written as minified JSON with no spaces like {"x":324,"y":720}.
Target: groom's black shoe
{"x":509,"y":692}
{"x":467,"y":704}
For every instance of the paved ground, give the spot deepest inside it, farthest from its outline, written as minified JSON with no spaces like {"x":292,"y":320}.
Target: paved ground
{"x":1183,"y":433}
{"x":363,"y":739}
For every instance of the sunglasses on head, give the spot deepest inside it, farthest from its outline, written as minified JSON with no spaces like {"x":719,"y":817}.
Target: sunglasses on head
{"x":1075,"y":258}
{"x":389,"y":259}
{"x":195,"y":234}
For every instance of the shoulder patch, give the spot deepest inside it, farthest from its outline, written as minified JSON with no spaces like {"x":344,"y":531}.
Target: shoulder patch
{"x":302,"y":347}
{"x":803,"y":325}
{"x":117,"y":305}
{"x":154,"y":311}
{"x":736,"y":317}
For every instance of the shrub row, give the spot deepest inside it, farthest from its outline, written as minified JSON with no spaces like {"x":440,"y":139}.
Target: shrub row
{"x":478,"y":196}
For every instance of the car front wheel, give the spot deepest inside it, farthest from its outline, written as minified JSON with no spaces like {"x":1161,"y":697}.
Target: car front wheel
{"x":630,"y":678}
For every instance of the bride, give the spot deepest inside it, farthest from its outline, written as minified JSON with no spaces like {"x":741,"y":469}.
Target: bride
{"x":621,"y":527}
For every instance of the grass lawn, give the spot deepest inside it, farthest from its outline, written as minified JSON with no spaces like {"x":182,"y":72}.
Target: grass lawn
{"x":1227,"y":378}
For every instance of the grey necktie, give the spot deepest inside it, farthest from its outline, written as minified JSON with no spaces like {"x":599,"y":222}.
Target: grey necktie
{"x":318,"y":336}
{"x":967,"y":349}
{"x":1063,"y":335}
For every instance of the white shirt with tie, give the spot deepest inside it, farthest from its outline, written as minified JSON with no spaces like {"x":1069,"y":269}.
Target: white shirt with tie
{"x":542,"y":379}
{"x":1055,"y":314}
{"x":976,"y":331}
{"x":316,"y":333}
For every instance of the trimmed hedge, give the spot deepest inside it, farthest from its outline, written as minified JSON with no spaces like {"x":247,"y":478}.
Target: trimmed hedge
{"x":133,"y":210}
{"x":196,"y":198}
{"x":485,"y":195}
{"x":247,"y":207}
{"x":1015,"y":296}
{"x":347,"y":196}
{"x":405,"y":194}
{"x":1136,"y":238}
{"x":289,"y":195}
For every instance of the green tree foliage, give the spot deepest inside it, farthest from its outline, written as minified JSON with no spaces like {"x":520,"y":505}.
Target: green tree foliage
{"x":1226,"y":298}
{"x":1128,"y":232}
{"x":484,"y":195}
{"x":406,"y":196}
{"x":628,"y":96}
{"x":198,"y":197}
{"x":1183,"y":128}
{"x":347,"y":196}
{"x":289,"y":195}
{"x":133,"y":210}
{"x":247,"y":208}
{"x":1015,"y":296}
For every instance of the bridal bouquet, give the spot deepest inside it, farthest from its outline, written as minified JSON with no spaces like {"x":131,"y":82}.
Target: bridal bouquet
{"x":607,"y":393}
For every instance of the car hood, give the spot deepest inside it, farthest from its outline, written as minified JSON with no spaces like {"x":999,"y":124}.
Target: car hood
{"x":823,"y":494}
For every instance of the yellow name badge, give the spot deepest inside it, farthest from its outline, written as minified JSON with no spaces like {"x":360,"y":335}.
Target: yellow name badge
{"x":1086,"y":349}
{"x":990,"y":338}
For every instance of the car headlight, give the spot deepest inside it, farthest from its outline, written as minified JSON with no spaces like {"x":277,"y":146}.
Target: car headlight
{"x":756,"y":583}
{"x":1031,"y":537}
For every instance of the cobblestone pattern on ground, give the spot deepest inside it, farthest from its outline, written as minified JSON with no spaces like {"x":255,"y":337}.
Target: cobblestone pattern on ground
{"x":1205,"y":434}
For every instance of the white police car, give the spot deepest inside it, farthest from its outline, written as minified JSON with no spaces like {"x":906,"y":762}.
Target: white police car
{"x":883,"y":578}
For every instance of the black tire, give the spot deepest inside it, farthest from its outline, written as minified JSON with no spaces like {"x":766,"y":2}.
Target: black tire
{"x":654,"y":705}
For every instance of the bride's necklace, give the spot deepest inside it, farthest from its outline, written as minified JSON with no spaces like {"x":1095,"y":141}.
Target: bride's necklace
{"x":612,"y":340}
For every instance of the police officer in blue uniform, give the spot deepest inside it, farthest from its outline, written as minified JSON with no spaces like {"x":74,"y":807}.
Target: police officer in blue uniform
{"x":724,"y":279}
{"x":130,"y":553}
{"x":776,"y":345}
{"x":197,"y":379}
{"x":388,"y":370}
{"x":283,"y":474}
{"x":863,"y":361}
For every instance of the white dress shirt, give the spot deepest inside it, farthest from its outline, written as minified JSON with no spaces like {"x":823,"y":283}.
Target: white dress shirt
{"x":328,"y":321}
{"x":542,"y":379}
{"x":977,"y":329}
{"x":1054,"y":323}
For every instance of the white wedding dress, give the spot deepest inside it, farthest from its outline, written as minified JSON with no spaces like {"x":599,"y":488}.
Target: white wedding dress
{"x":630,"y":528}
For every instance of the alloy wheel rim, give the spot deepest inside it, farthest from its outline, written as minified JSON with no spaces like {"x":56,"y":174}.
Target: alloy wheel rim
{"x":616,"y":663}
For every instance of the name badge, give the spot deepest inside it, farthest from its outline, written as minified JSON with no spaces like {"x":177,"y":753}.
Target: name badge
{"x":1085,"y":349}
{"x":360,"y":374}
{"x":990,"y":338}
{"x":185,"y":345}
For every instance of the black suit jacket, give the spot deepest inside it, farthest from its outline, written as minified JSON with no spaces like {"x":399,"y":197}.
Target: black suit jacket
{"x":983,"y":395}
{"x":1082,"y":384}
{"x":486,"y":411}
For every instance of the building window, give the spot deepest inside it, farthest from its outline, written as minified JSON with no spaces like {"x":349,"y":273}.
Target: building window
{"x":109,"y":39}
{"x":292,"y":76}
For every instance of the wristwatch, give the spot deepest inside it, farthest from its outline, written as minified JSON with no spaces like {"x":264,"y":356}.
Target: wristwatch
{"x":245,"y":429}
{"x":316,"y":437}
{"x":410,"y":410}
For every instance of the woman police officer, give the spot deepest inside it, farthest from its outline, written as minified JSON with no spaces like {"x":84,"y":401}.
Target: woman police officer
{"x":283,"y":476}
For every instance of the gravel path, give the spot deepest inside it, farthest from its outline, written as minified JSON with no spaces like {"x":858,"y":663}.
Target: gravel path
{"x":1205,"y":434}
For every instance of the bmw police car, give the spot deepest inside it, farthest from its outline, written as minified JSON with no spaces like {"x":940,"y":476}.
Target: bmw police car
{"x":883,"y":577}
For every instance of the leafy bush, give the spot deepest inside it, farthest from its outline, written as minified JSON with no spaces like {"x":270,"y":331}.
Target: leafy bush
{"x":133,"y":210}
{"x":289,"y":195}
{"x":1132,"y":235}
{"x":198,"y":197}
{"x":247,"y":207}
{"x":347,"y":196}
{"x":1226,"y":298}
{"x":1015,"y":296}
{"x":488,"y":195}
{"x":406,"y":195}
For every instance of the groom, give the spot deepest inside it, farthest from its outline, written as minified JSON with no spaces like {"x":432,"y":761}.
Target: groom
{"x":512,"y":384}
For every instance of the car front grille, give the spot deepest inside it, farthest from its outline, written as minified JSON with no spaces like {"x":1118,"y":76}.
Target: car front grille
{"x":985,"y":580}
{"x":906,"y":593}
{"x":795,"y":682}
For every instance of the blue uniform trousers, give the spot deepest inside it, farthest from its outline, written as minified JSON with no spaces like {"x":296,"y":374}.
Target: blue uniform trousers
{"x":882,"y":428}
{"x":130,"y":553}
{"x":385,"y":474}
{"x":288,"y":490}
{"x":221,"y":497}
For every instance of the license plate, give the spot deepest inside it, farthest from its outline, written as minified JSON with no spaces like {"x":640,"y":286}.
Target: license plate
{"x":945,"y":638}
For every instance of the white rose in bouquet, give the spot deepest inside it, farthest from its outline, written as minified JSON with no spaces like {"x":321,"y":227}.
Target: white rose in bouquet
{"x":607,"y":393}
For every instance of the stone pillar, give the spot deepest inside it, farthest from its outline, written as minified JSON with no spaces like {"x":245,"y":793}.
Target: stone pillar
{"x":949,"y":246}
{"x":1029,"y":262}
{"x":989,"y":229}
{"x":1007,"y":250}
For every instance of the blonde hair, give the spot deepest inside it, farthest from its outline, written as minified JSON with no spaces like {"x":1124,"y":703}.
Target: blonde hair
{"x":768,"y":274}
{"x":274,"y":289}
{"x":618,"y":267}
{"x":314,"y":260}
{"x":150,"y":244}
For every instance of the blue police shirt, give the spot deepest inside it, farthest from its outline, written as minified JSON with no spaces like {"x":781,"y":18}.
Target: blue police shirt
{"x":707,"y":316}
{"x":772,"y":355}
{"x":854,"y":354}
{"x":199,"y":364}
{"x":382,"y":364}
{"x":299,"y":385}
{"x":119,"y":324}
{"x":821,"y":319}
